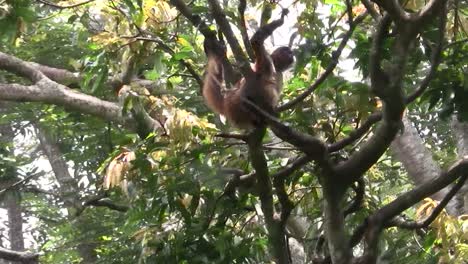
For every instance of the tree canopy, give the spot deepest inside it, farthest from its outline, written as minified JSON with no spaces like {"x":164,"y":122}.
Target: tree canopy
{"x":109,"y":154}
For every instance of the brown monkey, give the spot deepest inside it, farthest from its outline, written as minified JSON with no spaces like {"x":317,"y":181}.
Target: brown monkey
{"x":262,"y":86}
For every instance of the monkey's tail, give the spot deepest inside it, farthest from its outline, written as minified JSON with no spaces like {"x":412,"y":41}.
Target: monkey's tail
{"x":213,"y":86}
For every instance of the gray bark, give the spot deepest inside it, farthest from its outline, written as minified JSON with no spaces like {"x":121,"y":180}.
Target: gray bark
{"x":45,"y":90}
{"x":68,"y":186}
{"x":68,"y":189}
{"x":409,"y":149}
{"x":19,"y":256}
{"x":460,"y":131}
{"x":15,"y":220}
{"x":12,"y":197}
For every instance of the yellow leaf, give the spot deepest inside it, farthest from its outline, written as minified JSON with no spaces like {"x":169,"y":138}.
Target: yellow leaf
{"x":105,"y":38}
{"x":183,"y":42}
{"x":117,"y":170}
{"x":426,"y":208}
{"x":156,"y":13}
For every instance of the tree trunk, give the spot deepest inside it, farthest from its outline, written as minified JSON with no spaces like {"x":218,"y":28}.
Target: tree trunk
{"x":409,"y":149}
{"x":460,"y":131}
{"x":15,"y":220}
{"x":68,"y":189}
{"x":12,"y":198}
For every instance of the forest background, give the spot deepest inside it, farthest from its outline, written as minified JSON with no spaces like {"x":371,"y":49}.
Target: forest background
{"x":109,"y":154}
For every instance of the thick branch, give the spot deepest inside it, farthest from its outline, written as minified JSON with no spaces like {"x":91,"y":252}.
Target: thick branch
{"x":243,"y":29}
{"x":276,"y":235}
{"x":379,"y":79}
{"x":311,"y":146}
{"x":414,"y":196}
{"x":47,"y":91}
{"x":394,"y":9}
{"x":194,"y":19}
{"x":426,"y":222}
{"x":67,"y":78}
{"x":334,"y":223}
{"x":106,"y":202}
{"x":391,"y":94}
{"x":370,"y":8}
{"x":20,"y":68}
{"x":24,"y":257}
{"x":225,"y":27}
{"x":378,"y":220}
{"x":61,"y":76}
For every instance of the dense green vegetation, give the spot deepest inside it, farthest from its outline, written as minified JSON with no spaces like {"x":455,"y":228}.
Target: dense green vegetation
{"x":109,"y":154}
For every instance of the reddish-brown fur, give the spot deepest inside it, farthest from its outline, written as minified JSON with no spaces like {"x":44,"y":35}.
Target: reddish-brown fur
{"x":262,"y":86}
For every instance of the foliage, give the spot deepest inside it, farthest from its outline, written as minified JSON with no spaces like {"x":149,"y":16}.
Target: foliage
{"x":179,"y":207}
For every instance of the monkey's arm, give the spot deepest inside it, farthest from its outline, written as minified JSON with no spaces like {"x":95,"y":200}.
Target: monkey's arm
{"x":263,"y":62}
{"x":213,"y":83}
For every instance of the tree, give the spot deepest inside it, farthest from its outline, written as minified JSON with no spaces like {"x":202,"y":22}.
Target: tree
{"x":119,"y":106}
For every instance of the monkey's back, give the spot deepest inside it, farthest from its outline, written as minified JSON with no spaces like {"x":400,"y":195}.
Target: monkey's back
{"x":261,"y":90}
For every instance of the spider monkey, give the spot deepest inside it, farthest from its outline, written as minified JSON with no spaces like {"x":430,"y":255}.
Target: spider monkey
{"x":262,"y":85}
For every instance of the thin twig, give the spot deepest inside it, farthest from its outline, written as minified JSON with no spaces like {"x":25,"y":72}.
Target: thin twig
{"x":64,"y":6}
{"x":435,"y":58}
{"x":437,"y":210}
{"x":334,"y":62}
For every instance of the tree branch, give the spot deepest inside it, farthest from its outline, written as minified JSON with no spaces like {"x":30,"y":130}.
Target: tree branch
{"x":357,"y":201}
{"x":106,"y":202}
{"x":20,"y":68}
{"x":242,"y":137}
{"x":379,"y":78}
{"x":437,"y":210}
{"x":292,"y":167}
{"x":47,"y":91}
{"x":64,"y":6}
{"x":435,"y":57}
{"x":194,"y":19}
{"x":168,"y":49}
{"x":243,"y":29}
{"x":311,"y":146}
{"x":391,"y":94}
{"x":370,"y":8}
{"x":276,"y":232}
{"x":20,"y":256}
{"x":394,"y":9}
{"x":67,"y":78}
{"x":379,"y":75}
{"x":208,"y":33}
{"x":377,"y":221}
{"x":427,"y":12}
{"x":20,"y":182}
{"x":223,"y":24}
{"x":356,"y":134}
{"x":334,"y":62}
{"x":61,"y":76}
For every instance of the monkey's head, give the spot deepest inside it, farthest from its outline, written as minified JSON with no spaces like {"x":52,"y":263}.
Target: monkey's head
{"x":214,"y":47}
{"x":283,"y":58}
